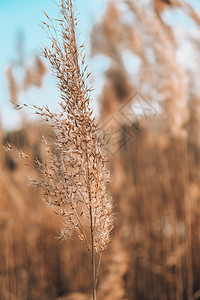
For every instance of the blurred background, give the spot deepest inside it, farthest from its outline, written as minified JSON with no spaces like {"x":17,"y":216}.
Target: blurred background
{"x":145,"y":59}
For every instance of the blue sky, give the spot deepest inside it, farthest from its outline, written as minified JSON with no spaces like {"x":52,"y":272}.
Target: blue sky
{"x":23,"y":16}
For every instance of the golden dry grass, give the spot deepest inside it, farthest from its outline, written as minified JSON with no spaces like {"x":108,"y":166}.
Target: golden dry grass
{"x":155,"y":249}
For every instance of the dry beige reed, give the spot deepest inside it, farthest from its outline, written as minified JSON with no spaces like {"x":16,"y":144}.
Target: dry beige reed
{"x":154,"y":186}
{"x":75,"y":176}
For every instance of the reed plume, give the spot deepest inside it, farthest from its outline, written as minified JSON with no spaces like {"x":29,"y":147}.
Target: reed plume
{"x":75,"y":176}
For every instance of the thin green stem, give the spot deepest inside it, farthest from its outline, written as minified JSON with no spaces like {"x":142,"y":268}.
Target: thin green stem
{"x":92,"y":232}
